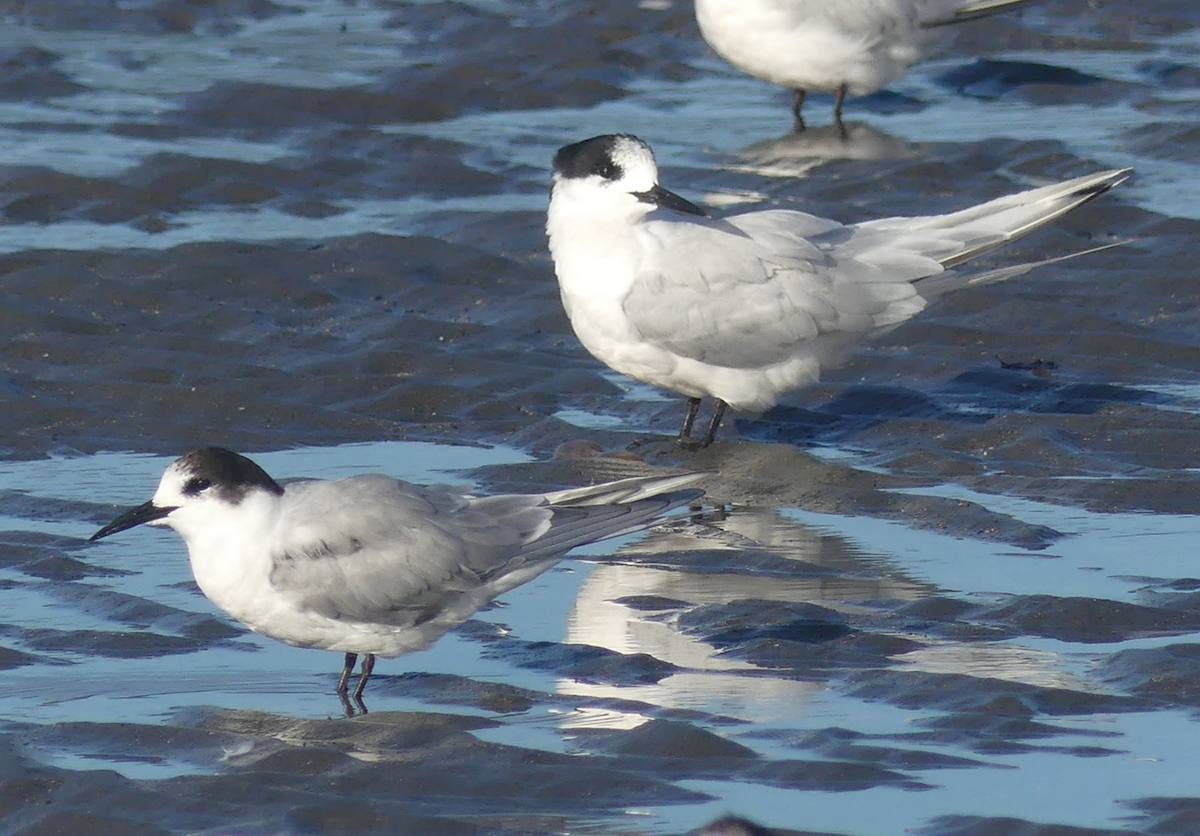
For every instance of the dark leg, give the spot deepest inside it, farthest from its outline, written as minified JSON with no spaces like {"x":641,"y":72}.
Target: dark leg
{"x":685,"y":432}
{"x":368,"y":665}
{"x":718,"y":414}
{"x":837,"y":112}
{"x":347,"y":669}
{"x":797,"y":106}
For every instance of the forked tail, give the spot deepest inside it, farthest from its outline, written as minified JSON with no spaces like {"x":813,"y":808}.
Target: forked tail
{"x":961,"y":236}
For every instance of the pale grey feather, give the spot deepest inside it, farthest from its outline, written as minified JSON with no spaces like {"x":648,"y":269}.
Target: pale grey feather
{"x":376,"y":549}
{"x":772,"y":284}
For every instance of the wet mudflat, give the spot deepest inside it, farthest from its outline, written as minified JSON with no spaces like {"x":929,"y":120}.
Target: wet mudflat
{"x":950,"y":590}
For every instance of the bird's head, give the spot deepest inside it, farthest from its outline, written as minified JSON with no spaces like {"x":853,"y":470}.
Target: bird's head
{"x":198,"y":489}
{"x":612,"y":175}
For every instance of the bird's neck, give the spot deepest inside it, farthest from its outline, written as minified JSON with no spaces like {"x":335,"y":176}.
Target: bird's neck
{"x":594,"y":259}
{"x":231,"y":557}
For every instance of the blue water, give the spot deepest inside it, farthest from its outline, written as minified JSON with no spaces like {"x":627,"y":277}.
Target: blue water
{"x":714,"y":120}
{"x":701,"y":121}
{"x":576,"y":603}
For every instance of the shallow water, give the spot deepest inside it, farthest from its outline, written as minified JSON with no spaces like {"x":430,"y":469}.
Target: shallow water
{"x":768,"y":680}
{"x":931,"y":594}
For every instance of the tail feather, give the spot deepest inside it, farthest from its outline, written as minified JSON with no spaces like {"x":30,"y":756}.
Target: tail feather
{"x":585,"y":515}
{"x":624,"y":490}
{"x":976,"y":10}
{"x":934,"y":286}
{"x":989,"y":225}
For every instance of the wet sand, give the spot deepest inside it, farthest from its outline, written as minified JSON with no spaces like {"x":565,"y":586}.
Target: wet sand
{"x":284,"y":226}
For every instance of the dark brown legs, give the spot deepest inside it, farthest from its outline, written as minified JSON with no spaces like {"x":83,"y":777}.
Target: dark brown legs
{"x":838,"y":101}
{"x":343,"y":686}
{"x":685,"y":432}
{"x":368,"y":666}
{"x":685,"y":439}
{"x":718,"y":414}
{"x":797,"y":106}
{"x":837,"y":111}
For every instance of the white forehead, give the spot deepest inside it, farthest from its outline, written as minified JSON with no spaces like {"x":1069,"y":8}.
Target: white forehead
{"x":636,"y":161}
{"x":170,"y":486}
{"x":177,"y":471}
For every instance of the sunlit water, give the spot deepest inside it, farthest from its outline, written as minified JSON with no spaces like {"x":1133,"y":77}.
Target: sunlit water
{"x":706,"y":120}
{"x":701,"y":122}
{"x":577,"y":603}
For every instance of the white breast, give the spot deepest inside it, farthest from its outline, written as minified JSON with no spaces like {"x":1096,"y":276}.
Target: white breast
{"x":814,"y":44}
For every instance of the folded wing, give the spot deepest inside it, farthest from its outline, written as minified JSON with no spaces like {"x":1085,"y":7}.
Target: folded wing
{"x":758,"y":289}
{"x":389,"y":552}
{"x":755,"y":289}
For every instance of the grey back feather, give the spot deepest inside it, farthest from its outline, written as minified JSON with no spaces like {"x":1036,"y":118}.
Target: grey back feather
{"x":387,"y":551}
{"x":778,"y":283}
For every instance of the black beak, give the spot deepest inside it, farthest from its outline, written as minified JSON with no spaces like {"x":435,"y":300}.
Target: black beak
{"x":658,"y":196}
{"x":144,"y":513}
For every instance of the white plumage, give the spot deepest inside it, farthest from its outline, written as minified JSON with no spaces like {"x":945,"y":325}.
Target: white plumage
{"x":745,"y":308}
{"x":370,"y":564}
{"x":852,"y":47}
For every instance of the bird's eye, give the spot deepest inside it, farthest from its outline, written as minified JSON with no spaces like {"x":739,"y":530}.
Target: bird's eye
{"x":196,"y":485}
{"x":608,"y":170}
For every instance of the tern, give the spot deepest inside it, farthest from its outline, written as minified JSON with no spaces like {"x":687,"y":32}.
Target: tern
{"x":844,"y":47}
{"x":369,"y":564}
{"x":748,"y":307}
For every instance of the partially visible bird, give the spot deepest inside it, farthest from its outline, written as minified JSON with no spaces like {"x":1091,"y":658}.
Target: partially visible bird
{"x":748,"y":307}
{"x":369,"y":564}
{"x":844,"y":47}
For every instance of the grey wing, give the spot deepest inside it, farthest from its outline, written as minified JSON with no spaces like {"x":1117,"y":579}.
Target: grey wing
{"x":751,"y":290}
{"x":386,"y":551}
{"x":953,"y":239}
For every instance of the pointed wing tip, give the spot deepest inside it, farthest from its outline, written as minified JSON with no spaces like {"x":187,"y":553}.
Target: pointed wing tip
{"x":1070,"y":194}
{"x":1117,"y":176}
{"x":1099,"y":182}
{"x":694,"y":476}
{"x":976,"y":11}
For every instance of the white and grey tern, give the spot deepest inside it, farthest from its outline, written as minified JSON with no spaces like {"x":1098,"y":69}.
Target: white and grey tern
{"x":844,"y":47}
{"x":370,"y":564}
{"x":748,"y":307}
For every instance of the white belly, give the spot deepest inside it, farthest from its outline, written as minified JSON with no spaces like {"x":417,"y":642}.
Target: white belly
{"x":783,"y":43}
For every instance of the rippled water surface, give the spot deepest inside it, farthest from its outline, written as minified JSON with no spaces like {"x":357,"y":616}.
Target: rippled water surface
{"x":937,"y":593}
